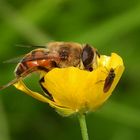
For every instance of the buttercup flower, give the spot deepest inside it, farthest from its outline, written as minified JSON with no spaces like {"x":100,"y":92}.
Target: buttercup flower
{"x":79,"y":91}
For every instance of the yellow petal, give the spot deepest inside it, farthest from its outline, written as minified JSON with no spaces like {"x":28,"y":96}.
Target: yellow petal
{"x":115,"y":62}
{"x":21,"y":86}
{"x":64,"y":84}
{"x":110,"y":61}
{"x":82,"y":90}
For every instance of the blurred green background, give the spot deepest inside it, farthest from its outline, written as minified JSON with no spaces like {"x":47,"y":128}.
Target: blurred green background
{"x":110,"y":26}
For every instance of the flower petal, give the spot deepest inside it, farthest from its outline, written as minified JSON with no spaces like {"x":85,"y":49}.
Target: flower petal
{"x":110,"y":62}
{"x":115,"y":62}
{"x":64,"y":85}
{"x":74,"y":88}
{"x":62,"y":110}
{"x":82,"y":90}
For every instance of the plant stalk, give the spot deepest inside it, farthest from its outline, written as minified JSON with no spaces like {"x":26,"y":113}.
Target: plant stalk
{"x":83,"y":126}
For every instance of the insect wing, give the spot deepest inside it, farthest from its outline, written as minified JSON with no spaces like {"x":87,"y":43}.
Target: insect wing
{"x":108,"y":83}
{"x":20,"y":58}
{"x":30,"y":46}
{"x":109,"y":80}
{"x":14,"y":60}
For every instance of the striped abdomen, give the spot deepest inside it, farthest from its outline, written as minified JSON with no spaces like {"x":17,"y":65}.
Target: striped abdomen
{"x":38,"y":59}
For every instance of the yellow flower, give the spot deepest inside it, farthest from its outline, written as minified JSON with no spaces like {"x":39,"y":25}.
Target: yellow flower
{"x":74,"y":90}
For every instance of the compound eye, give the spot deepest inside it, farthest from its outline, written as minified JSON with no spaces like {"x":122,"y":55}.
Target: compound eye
{"x":87,"y":55}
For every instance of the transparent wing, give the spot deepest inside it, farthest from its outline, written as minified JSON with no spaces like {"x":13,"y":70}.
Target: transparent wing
{"x":21,"y":58}
{"x":14,"y":60}
{"x":30,"y":46}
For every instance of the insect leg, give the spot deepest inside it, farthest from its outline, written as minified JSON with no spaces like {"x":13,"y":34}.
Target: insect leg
{"x":44,"y":89}
{"x":23,"y":75}
{"x":9,"y":84}
{"x":100,"y":81}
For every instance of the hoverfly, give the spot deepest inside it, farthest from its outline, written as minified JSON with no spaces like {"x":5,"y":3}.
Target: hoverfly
{"x":56,"y":54}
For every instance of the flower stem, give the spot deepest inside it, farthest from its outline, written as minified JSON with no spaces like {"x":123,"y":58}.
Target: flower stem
{"x":83,"y":126}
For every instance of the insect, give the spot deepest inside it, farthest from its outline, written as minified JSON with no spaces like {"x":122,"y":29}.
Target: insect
{"x":109,"y":80}
{"x":56,"y":54}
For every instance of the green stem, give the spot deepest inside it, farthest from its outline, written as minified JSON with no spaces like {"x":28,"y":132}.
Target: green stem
{"x":83,"y":126}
